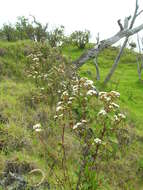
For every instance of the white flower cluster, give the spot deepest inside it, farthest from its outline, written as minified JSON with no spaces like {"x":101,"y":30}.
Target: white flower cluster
{"x":91,"y":92}
{"x":118,"y":117}
{"x":115,"y":94}
{"x":79,"y":124}
{"x":84,"y":83}
{"x":108,"y":98}
{"x":35,"y":59}
{"x":97,"y":141}
{"x":62,"y":105}
{"x":37,"y":127}
{"x":65,"y":95}
{"x":102,"y":113}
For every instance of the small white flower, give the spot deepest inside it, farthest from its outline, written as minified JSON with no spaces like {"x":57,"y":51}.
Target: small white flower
{"x":110,"y":106}
{"x":30,"y":55}
{"x":84,"y":121}
{"x":38,"y":130}
{"x":69,"y":102}
{"x":37,"y":126}
{"x":102,"y":93}
{"x":122,"y":116}
{"x":91,"y":93}
{"x":59,"y":103}
{"x":88,"y":83}
{"x":97,"y":141}
{"x":115,"y":105}
{"x":59,"y":91}
{"x":65,"y":93}
{"x":117,"y":94}
{"x":71,"y":98}
{"x":116,"y":118}
{"x":45,"y":76}
{"x":102,"y":112}
{"x":42,"y":88}
{"x":75,"y":88}
{"x":108,"y":99}
{"x":61,"y":115}
{"x":77,"y":125}
{"x":59,"y":108}
{"x":35,"y":59}
{"x":55,"y":117}
{"x":83,"y":79}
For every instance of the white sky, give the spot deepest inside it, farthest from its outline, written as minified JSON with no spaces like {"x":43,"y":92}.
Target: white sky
{"x":95,"y":15}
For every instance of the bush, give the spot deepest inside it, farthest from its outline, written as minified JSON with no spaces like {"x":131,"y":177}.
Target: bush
{"x":56,"y":37}
{"x":49,"y":69}
{"x":8,"y":33}
{"x":94,"y":131}
{"x":80,"y":38}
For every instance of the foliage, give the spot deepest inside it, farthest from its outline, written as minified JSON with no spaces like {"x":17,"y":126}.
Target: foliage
{"x":8,"y":32}
{"x":72,"y":113}
{"x":119,"y":160}
{"x":24,"y":29}
{"x":56,"y":36}
{"x":40,"y":31}
{"x":49,"y":69}
{"x":80,"y":38}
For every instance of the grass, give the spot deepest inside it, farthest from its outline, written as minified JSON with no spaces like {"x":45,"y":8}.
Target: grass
{"x":15,"y":106}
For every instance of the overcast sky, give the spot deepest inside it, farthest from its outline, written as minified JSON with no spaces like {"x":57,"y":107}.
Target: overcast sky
{"x":96,"y":15}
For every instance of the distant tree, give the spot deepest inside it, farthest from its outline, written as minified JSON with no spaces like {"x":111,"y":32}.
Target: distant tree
{"x":56,"y":36}
{"x":40,"y":31}
{"x":80,"y":38}
{"x":24,"y":29}
{"x":8,"y":32}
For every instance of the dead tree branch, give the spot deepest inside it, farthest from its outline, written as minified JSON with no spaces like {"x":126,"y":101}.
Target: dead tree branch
{"x":114,"y":66}
{"x":93,"y":52}
{"x":120,"y":24}
{"x":105,"y":43}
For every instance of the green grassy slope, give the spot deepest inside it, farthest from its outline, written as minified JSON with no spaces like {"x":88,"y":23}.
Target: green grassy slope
{"x":18,"y":113}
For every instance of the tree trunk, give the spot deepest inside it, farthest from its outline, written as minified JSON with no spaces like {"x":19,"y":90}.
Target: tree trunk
{"x":97,"y":68}
{"x":114,"y":66}
{"x":109,"y":75}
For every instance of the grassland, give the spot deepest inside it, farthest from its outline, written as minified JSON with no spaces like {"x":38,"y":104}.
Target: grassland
{"x":18,"y":113}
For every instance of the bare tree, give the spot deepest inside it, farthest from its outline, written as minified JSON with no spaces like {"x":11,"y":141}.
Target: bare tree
{"x":126,"y":23}
{"x":94,"y":52}
{"x":139,"y":58}
{"x":40,"y":30}
{"x":96,"y":59}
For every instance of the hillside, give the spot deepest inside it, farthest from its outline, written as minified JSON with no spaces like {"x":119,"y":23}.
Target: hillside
{"x":23,"y":105}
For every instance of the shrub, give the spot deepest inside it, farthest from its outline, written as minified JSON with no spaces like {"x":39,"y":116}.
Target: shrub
{"x":80,"y":38}
{"x":24,"y":29}
{"x":49,"y":69}
{"x":56,"y":37}
{"x":93,"y":133}
{"x":8,"y":32}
